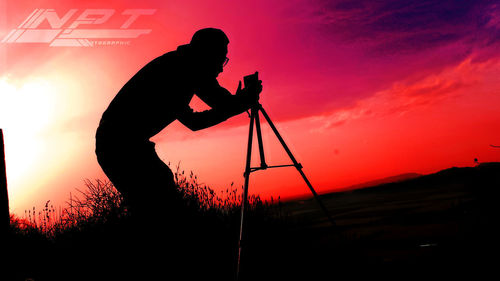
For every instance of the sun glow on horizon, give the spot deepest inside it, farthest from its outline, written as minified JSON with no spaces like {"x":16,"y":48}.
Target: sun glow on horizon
{"x":26,"y":109}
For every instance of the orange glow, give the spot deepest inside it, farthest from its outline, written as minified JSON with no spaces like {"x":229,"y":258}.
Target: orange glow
{"x":25,"y":114}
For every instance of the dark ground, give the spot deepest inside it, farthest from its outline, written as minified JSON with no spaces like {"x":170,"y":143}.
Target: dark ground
{"x":439,"y":224}
{"x":435,"y":225}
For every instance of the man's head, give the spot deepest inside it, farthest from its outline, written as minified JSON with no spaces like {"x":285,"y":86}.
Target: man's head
{"x":209,"y":46}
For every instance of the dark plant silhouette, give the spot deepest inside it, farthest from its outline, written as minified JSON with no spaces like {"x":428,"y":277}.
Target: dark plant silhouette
{"x":96,"y":219}
{"x":439,"y":222}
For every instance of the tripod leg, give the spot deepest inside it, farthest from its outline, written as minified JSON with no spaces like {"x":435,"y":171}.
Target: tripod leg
{"x":298,"y":166}
{"x":263,"y":164}
{"x":244,"y":200}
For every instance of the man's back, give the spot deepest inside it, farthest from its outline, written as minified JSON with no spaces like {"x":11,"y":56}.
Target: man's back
{"x":150,"y":100}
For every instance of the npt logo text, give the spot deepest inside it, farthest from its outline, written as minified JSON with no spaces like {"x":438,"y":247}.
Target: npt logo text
{"x":86,"y":28}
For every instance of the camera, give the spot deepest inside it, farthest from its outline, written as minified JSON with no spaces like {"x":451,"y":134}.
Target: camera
{"x":251,"y":80}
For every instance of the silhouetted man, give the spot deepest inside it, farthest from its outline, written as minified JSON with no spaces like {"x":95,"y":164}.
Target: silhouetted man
{"x":153,"y":98}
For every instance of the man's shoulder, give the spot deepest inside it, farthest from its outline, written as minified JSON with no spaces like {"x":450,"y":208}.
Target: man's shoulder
{"x":176,"y":58}
{"x":168,"y":57}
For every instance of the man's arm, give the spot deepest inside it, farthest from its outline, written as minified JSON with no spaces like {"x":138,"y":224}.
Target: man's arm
{"x":224,"y":105}
{"x":200,"y":120}
{"x":219,"y":98}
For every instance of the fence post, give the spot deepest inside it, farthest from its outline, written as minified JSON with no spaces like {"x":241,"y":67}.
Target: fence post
{"x":4,"y":195}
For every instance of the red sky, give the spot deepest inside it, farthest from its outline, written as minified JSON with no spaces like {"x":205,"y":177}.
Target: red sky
{"x":359,"y":90}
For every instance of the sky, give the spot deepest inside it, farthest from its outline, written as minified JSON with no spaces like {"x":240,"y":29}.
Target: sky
{"x":359,"y":90}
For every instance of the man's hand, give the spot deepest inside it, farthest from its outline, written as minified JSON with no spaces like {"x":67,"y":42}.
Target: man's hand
{"x":251,"y":93}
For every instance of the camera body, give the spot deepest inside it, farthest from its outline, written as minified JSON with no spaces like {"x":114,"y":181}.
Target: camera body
{"x":253,"y":87}
{"x":251,"y":80}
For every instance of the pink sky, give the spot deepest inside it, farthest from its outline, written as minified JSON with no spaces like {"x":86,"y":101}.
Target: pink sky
{"x":359,"y":90}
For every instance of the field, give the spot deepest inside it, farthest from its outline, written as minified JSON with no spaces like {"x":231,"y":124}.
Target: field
{"x":442,"y":223}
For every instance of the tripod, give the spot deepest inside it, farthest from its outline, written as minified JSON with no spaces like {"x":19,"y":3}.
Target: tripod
{"x":254,"y":119}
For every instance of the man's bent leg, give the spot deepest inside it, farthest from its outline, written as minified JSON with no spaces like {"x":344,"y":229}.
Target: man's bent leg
{"x":137,"y":172}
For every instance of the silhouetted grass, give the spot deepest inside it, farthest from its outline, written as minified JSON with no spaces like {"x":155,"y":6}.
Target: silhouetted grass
{"x":100,"y":203}
{"x":96,"y":219}
{"x":443,"y":222}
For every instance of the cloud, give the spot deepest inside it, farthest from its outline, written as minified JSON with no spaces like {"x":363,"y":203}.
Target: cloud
{"x":494,"y":17}
{"x":410,"y":24}
{"x":358,"y":48}
{"x":406,"y":96}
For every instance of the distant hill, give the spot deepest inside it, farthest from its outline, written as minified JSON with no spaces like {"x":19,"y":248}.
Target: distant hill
{"x":480,"y":178}
{"x":443,"y":177}
{"x":397,"y":178}
{"x":469,"y":188}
